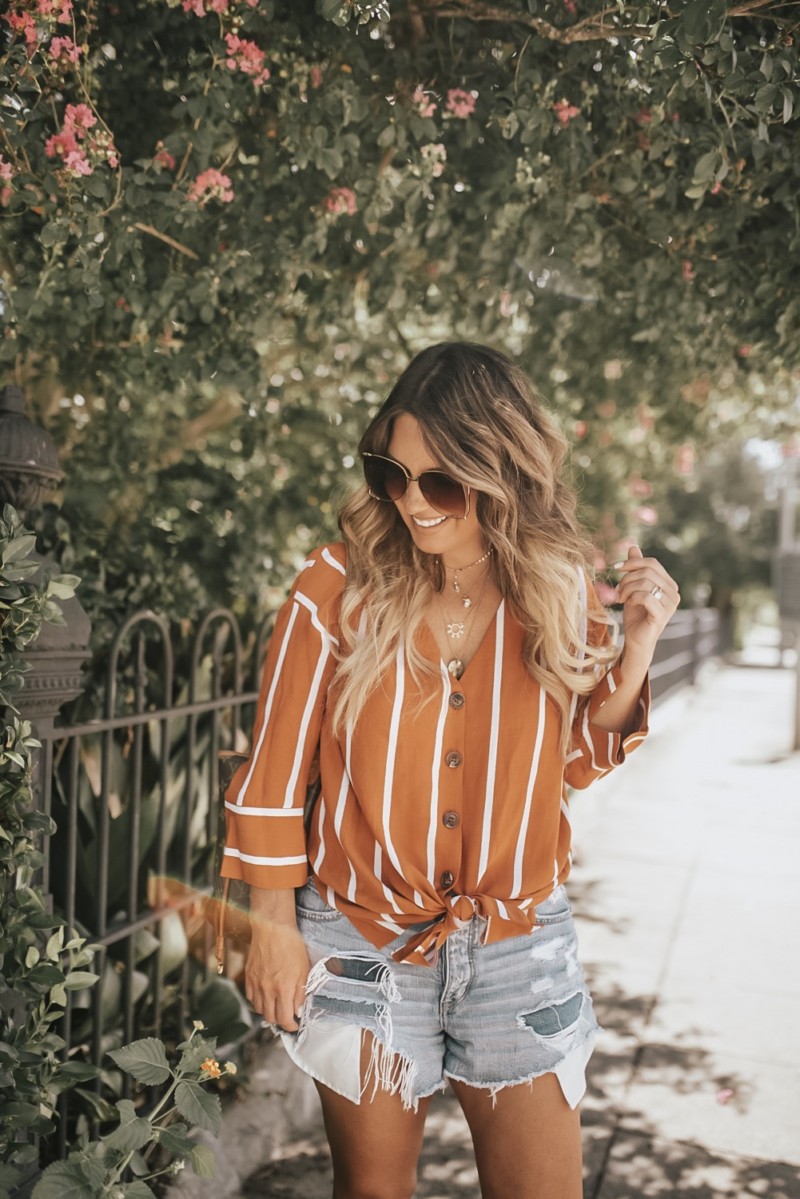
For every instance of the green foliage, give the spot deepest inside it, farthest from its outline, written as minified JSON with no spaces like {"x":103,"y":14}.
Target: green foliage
{"x":611,"y":195}
{"x":40,"y":958}
{"x":153,"y":1144}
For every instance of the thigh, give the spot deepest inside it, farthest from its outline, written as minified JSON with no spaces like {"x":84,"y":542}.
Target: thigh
{"x":527,"y":1140}
{"x":375,"y":1144}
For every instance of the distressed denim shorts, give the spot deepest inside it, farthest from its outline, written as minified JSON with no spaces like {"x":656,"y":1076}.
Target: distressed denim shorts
{"x":491,"y":1016}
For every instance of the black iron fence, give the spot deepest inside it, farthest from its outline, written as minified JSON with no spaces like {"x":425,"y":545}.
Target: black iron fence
{"x":134,"y":795}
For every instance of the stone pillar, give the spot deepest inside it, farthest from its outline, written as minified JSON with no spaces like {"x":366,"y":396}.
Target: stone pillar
{"x":28,"y":469}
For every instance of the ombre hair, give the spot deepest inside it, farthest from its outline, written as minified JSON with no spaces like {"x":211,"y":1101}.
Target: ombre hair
{"x":482,"y":422}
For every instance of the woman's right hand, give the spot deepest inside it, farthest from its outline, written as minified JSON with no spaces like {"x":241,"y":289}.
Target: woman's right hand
{"x":276,"y":972}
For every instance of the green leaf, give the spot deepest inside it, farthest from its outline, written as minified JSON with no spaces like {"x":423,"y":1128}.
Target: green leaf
{"x":203,"y":1161}
{"x":64,"y":1180}
{"x":145,"y":1060}
{"x":136,"y":1190}
{"x":77,"y":980}
{"x":133,"y":1131}
{"x":175,"y":1139}
{"x":198,"y":1106}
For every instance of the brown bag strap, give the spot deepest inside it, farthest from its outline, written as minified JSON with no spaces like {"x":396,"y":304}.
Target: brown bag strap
{"x":219,"y":922}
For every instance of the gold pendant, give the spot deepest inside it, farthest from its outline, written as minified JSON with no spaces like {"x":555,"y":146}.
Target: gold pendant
{"x":455,"y":629}
{"x":456,"y":667}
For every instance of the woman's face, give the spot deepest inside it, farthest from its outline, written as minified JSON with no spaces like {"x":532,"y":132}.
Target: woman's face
{"x":456,"y":542}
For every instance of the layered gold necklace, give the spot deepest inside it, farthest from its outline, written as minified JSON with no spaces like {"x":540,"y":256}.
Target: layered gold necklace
{"x":456,"y":630}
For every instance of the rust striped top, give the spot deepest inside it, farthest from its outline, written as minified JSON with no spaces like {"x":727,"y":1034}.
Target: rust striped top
{"x":425,"y":815}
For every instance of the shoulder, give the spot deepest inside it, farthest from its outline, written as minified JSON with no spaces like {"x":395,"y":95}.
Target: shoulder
{"x":322,"y":576}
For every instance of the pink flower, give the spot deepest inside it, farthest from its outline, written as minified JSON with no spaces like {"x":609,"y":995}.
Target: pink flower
{"x":644,"y":116}
{"x":211,"y":185}
{"x":571,"y":7}
{"x":686,"y":270}
{"x":60,"y":144}
{"x":23,"y":23}
{"x":580,"y":429}
{"x":425,"y":106}
{"x":565,"y":111}
{"x":6,"y":175}
{"x":315,"y":77}
{"x":77,"y":162}
{"x":63,"y":49}
{"x":247,"y":57}
{"x":640,"y":488}
{"x":341,"y":201}
{"x":744,"y":351}
{"x":195,"y":6}
{"x":163,"y":158}
{"x":716,"y":189}
{"x":78,"y":118}
{"x":460,"y":103}
{"x":684,"y":459}
{"x":60,"y":9}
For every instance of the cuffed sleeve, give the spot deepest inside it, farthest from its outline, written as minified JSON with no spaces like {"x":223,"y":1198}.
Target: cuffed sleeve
{"x":265,"y":835}
{"x":596,"y":751}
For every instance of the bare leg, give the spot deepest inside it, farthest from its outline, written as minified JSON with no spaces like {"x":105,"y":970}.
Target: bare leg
{"x":528,"y":1144}
{"x":375,"y":1144}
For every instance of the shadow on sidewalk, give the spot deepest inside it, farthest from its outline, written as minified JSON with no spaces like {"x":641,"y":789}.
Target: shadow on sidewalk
{"x":625,"y":1156}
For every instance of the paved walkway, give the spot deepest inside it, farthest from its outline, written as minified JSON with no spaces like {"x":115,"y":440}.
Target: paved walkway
{"x":686,"y":891}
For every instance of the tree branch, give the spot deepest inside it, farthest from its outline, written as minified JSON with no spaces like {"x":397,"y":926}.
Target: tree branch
{"x":590,"y":29}
{"x":170,"y":241}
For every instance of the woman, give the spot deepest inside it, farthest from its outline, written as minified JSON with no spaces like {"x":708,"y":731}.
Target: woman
{"x":451,"y":672}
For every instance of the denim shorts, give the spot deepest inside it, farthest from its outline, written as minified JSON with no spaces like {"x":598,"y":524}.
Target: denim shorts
{"x":491,"y":1016}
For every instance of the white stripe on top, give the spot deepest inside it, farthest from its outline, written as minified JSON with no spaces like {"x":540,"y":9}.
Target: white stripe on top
{"x":494,"y":734}
{"x":522,"y":839}
{"x":302,"y":734}
{"x":391,"y":754}
{"x":268,"y":706}
{"x":329,"y":558}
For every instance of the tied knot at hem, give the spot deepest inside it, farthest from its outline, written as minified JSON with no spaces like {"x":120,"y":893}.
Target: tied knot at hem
{"x":423,"y":948}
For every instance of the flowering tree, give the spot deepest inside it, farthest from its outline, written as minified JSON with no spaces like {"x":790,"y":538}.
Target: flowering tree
{"x":227,"y":223}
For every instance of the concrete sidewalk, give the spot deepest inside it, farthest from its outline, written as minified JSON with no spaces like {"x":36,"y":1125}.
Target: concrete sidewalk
{"x":687,"y":894}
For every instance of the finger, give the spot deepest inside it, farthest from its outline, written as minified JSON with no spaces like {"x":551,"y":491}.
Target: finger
{"x":285,"y":1012}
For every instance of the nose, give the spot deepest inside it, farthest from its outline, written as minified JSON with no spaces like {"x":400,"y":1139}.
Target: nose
{"x":414,"y":501}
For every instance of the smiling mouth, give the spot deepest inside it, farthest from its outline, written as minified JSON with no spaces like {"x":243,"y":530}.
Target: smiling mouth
{"x":429,"y":524}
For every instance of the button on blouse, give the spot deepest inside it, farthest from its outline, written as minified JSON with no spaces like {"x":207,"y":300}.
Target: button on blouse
{"x":481,"y":753}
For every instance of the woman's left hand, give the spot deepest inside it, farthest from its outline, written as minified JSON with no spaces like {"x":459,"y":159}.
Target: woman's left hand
{"x":649,"y":597}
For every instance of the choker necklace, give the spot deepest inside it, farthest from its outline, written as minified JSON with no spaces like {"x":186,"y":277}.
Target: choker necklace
{"x":457,"y":570}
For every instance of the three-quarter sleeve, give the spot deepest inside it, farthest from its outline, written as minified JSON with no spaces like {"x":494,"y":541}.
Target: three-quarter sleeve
{"x":595,"y":751}
{"x":265,"y":836}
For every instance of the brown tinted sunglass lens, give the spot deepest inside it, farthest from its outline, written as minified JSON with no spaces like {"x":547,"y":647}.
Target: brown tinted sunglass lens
{"x":385,"y":480}
{"x":443,"y":493}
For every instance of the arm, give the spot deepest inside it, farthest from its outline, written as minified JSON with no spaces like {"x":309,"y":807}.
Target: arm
{"x":645,"y":616}
{"x":277,"y":964}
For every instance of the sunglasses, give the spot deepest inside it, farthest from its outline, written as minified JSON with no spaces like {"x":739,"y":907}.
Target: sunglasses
{"x":388,"y":481}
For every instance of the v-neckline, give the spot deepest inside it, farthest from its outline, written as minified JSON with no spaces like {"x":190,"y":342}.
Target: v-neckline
{"x":490,"y":628}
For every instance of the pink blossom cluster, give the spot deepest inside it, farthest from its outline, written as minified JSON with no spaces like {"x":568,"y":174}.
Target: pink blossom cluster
{"x":79,"y":151}
{"x":247,"y":57}
{"x":341,"y":201}
{"x":201,"y":7}
{"x":211,"y":185}
{"x":6,"y":175}
{"x":23,"y":17}
{"x":565,"y":111}
{"x":63,"y":50}
{"x":163,"y":158}
{"x":315,"y":76}
{"x":460,"y":103}
{"x":423,"y":103}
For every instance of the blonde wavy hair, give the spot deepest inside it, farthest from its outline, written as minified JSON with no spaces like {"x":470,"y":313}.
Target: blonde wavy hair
{"x":482,"y":422}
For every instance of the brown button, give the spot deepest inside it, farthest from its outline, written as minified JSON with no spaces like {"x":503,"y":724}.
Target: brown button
{"x":453,"y":759}
{"x":451,"y":820}
{"x":457,"y":700}
{"x":447,"y":879}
